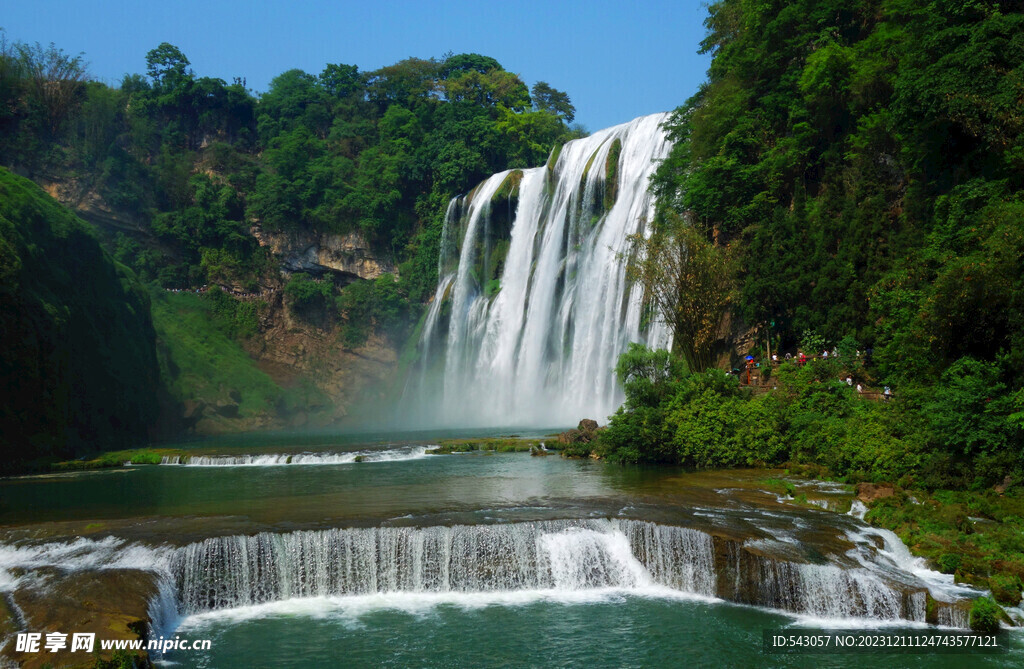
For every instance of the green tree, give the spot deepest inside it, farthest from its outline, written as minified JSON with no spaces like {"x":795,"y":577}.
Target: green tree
{"x":553,"y":101}
{"x":689,"y":281}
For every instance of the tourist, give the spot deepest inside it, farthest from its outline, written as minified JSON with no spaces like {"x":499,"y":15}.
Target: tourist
{"x":824,"y":353}
{"x":860,"y":388}
{"x":849,"y":380}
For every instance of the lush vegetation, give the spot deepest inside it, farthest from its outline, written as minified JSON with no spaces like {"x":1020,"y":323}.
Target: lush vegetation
{"x":78,"y":363}
{"x":194,"y":161}
{"x":200,"y":359}
{"x":179,"y":172}
{"x":861,"y":166}
{"x":978,"y":536}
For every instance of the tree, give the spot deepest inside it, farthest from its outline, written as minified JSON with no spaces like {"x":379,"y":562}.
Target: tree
{"x":341,"y":80}
{"x":553,"y":101}
{"x":689,"y":282}
{"x":57,"y":83}
{"x":167,"y":65}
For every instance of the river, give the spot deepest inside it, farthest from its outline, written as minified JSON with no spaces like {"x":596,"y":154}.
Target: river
{"x":293,"y":552}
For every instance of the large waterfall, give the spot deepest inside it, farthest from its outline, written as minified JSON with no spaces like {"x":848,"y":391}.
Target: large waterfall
{"x":533,"y":307}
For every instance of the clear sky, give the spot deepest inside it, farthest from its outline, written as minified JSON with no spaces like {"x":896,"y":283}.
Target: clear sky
{"x":616,"y":60}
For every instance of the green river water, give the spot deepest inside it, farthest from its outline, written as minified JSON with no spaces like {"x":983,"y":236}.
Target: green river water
{"x":173,"y":505}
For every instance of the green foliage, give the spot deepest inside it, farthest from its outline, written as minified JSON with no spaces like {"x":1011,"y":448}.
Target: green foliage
{"x":969,"y":409}
{"x":199,"y":357}
{"x":194,"y":161}
{"x":79,"y":354}
{"x":307,"y":295}
{"x":948,"y":563}
{"x":985,"y":615}
{"x":379,"y":303}
{"x":865,"y":163}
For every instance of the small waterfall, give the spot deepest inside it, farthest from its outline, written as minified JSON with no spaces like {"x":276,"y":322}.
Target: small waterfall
{"x":279,"y":459}
{"x":237,"y":571}
{"x":532,"y":307}
{"x":828,"y":591}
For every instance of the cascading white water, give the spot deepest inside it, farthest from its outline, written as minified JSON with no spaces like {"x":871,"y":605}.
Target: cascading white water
{"x":532,"y":307}
{"x":279,"y":459}
{"x":555,"y":556}
{"x":551,"y":555}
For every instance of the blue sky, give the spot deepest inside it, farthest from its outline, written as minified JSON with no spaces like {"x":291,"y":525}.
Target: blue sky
{"x":617,"y":60}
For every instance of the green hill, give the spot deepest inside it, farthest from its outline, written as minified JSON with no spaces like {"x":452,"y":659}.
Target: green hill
{"x":78,"y":361}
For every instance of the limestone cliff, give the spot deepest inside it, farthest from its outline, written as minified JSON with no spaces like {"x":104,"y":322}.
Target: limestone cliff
{"x":348,"y":255}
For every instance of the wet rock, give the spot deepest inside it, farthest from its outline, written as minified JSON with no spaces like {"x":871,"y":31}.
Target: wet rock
{"x":869,"y":492}
{"x":192,"y":410}
{"x":112,"y":604}
{"x":584,"y":433}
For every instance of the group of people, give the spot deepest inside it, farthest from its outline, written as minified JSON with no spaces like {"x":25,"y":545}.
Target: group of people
{"x":801,"y":359}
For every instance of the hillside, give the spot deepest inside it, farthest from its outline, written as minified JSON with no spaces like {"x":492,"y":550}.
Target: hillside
{"x":78,"y":365}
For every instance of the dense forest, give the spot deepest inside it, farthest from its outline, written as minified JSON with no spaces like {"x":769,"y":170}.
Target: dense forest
{"x":197,"y":161}
{"x":858,"y":170}
{"x":78,"y":362}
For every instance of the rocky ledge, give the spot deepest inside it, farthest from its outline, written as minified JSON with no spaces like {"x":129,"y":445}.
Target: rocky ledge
{"x":314,"y":252}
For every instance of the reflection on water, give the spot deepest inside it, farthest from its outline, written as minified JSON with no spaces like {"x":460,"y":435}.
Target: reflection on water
{"x":321,"y":493}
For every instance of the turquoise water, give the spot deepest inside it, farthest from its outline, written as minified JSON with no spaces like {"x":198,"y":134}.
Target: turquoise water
{"x":637,"y":627}
{"x":366,"y":492}
{"x":611,"y":631}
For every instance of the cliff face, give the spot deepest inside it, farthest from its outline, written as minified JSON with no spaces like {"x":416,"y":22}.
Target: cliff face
{"x":297,"y":368}
{"x":348,"y":255}
{"x":295,"y":352}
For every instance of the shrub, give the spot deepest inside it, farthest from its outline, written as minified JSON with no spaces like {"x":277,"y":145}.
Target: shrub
{"x":985,"y":615}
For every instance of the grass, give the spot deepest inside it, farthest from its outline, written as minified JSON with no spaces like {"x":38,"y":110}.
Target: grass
{"x":779,"y":486}
{"x":201,"y":362}
{"x":500,"y":445}
{"x":136,"y":456}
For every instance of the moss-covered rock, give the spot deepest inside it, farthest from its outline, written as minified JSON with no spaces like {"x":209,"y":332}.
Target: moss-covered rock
{"x":985,"y":615}
{"x":509,"y":188}
{"x":611,"y":174}
{"x":1005,"y":589}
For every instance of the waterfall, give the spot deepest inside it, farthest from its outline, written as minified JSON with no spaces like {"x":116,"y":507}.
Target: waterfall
{"x":561,"y":556}
{"x":532,"y":307}
{"x":228,"y":572}
{"x":278,"y":459}
{"x":535,"y":559}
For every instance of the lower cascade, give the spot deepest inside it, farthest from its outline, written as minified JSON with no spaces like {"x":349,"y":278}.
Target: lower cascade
{"x":560,"y":556}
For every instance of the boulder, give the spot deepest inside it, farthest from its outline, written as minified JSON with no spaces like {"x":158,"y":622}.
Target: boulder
{"x":570,"y":437}
{"x":869,"y":492}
